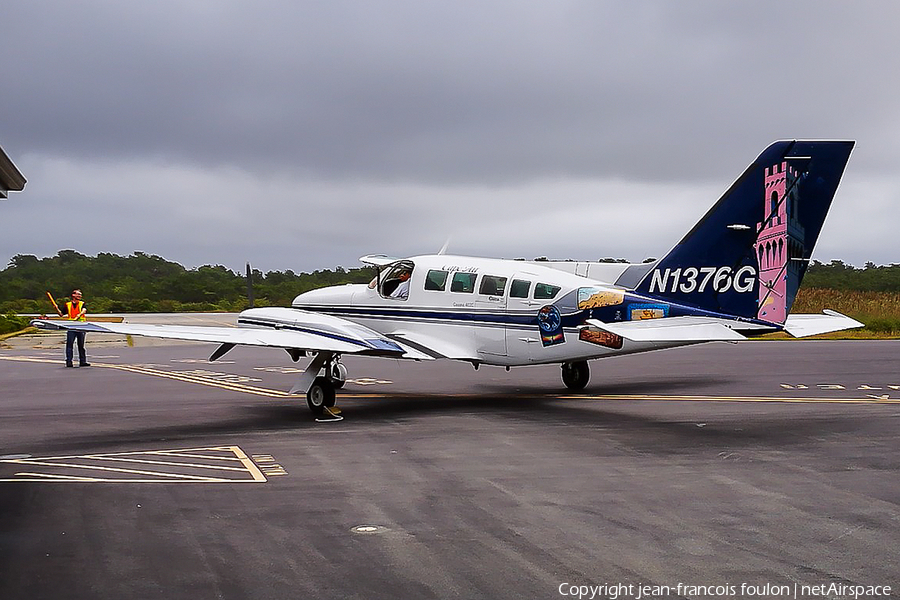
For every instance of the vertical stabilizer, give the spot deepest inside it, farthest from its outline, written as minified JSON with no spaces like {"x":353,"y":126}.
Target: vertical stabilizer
{"x":747,"y":256}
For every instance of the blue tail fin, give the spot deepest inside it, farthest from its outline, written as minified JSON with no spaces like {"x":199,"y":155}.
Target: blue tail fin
{"x":747,"y":255}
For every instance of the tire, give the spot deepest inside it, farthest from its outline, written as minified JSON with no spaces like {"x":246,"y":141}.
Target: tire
{"x":320,"y":396}
{"x":576,"y":374}
{"x":338,"y":375}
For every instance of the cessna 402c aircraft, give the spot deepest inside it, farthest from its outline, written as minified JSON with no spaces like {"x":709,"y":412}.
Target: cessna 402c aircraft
{"x":735,"y":274}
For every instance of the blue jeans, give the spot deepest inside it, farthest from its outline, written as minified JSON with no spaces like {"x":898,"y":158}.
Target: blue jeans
{"x":71,"y":336}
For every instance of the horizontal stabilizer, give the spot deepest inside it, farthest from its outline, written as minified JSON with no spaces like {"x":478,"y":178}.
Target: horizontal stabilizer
{"x":806,"y":325}
{"x":673,"y":329}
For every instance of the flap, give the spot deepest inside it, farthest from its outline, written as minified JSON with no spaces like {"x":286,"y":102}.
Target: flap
{"x":432,"y":346}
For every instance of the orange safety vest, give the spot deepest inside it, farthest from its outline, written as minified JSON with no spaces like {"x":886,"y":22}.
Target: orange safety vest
{"x":72,"y":310}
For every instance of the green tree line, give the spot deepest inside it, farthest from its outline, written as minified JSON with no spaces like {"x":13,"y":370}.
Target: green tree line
{"x":837,"y":275}
{"x":148,"y":283}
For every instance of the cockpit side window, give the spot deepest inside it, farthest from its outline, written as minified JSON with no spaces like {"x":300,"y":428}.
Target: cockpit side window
{"x":492,"y":285}
{"x":395,"y":283}
{"x":436,"y":280}
{"x":463,"y":282}
{"x":545,"y":291}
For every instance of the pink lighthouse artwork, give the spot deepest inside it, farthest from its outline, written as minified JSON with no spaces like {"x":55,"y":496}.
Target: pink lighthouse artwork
{"x":780,"y":239}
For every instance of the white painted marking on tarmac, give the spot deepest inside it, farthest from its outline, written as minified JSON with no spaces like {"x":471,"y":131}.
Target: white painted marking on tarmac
{"x":116,"y":467}
{"x":369,"y":381}
{"x":285,"y":370}
{"x":56,"y":477}
{"x":199,"y":360}
{"x":218,"y":376}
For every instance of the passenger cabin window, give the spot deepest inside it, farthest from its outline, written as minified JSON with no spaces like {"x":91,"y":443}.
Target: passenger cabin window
{"x":436,"y":280}
{"x":463,"y":282}
{"x":491,"y":285}
{"x":545,"y":291}
{"x":519,"y":288}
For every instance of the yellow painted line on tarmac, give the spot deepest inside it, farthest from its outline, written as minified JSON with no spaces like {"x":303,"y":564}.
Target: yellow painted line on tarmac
{"x":248,"y":467}
{"x":270,"y":393}
{"x":30,"y":359}
{"x":59,"y":477}
{"x":248,"y":464}
{"x":183,"y":455}
{"x":682,"y":398}
{"x":653,"y":398}
{"x":164,"y":463}
{"x":31,"y":461}
{"x":235,"y":387}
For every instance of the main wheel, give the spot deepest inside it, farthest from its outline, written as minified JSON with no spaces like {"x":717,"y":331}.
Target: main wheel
{"x":320,"y":396}
{"x":338,"y":375}
{"x":576,"y":374}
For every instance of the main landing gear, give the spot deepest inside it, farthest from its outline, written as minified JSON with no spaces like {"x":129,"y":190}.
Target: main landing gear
{"x":576,"y":374}
{"x":337,"y":373}
{"x":324,"y":374}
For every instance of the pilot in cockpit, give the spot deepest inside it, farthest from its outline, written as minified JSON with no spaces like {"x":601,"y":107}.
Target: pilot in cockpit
{"x":402,"y":289}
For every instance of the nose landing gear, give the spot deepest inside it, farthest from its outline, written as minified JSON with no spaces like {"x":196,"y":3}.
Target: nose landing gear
{"x":320,"y":396}
{"x":324,"y":374}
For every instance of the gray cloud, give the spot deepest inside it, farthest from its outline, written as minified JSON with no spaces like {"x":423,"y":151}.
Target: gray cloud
{"x":305,"y":132}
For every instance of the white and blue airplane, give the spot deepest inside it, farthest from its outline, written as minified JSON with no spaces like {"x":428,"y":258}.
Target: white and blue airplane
{"x":734,"y":275}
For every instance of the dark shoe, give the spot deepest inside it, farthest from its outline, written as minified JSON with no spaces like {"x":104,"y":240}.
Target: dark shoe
{"x":84,"y":364}
{"x":70,"y":365}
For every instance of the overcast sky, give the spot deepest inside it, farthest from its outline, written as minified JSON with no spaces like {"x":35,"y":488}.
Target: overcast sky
{"x":302,"y":135}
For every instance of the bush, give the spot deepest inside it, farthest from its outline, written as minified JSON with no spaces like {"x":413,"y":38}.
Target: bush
{"x":882,"y":324}
{"x":11,"y":322}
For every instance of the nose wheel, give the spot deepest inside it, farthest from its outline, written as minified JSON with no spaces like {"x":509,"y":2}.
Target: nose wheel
{"x":576,"y":374}
{"x":320,"y":396}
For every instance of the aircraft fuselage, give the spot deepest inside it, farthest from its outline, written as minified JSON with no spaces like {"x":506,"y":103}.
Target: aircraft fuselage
{"x":493,"y":311}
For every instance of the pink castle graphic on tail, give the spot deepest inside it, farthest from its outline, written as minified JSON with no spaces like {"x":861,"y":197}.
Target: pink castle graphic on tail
{"x":780,"y":239}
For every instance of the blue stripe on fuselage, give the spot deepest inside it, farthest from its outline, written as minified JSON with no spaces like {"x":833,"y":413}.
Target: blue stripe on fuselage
{"x":517,"y":320}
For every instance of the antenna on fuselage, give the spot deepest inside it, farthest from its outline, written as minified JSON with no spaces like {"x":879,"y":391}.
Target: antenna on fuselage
{"x":443,"y":249}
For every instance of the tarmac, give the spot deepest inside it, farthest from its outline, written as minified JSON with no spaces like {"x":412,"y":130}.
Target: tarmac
{"x":153,"y":473}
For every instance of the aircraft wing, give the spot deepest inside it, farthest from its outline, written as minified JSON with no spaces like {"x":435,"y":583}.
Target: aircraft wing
{"x":291,"y":329}
{"x":676,"y":329}
{"x":804,"y":325}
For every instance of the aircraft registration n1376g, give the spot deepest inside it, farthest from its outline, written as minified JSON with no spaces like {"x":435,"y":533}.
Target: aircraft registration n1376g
{"x":735,"y":274}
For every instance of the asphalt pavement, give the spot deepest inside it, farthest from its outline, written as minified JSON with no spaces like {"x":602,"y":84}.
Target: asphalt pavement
{"x":156,"y":474}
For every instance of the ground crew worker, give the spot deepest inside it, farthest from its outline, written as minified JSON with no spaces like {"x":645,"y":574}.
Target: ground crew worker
{"x":75,"y":311}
